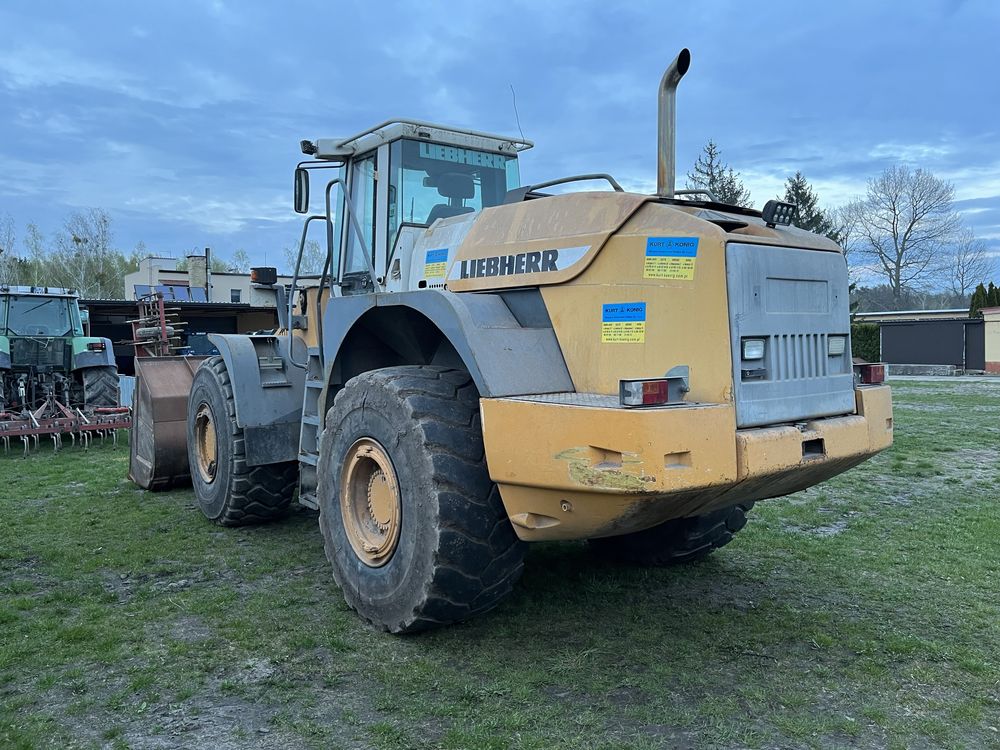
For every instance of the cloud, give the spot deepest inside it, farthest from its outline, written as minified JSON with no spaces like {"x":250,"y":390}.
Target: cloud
{"x":33,"y":67}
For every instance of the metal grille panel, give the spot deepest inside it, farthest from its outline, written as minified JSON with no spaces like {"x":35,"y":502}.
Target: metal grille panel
{"x":799,"y":355}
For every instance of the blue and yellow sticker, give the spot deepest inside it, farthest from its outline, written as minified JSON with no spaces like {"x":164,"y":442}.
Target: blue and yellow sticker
{"x":670,"y":258}
{"x":435,"y":263}
{"x":623,"y":323}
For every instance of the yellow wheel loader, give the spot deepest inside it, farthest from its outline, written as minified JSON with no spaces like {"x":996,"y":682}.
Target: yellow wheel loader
{"x":484,"y":364}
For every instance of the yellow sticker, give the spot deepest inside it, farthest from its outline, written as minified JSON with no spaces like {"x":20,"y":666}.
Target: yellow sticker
{"x":623,"y":323}
{"x":435,"y":263}
{"x":670,"y":258}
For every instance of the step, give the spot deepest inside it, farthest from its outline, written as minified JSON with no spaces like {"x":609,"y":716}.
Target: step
{"x":312,"y":419}
{"x":308,"y":499}
{"x":309,"y":458}
{"x":315,"y":383}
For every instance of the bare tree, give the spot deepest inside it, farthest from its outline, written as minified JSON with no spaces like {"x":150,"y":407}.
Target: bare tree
{"x":904,"y":225}
{"x":845,"y":233}
{"x":313,"y":257}
{"x":240,"y":262}
{"x":9,"y":261}
{"x":970,"y":264}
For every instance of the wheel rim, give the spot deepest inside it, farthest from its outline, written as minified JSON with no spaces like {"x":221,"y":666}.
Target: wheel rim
{"x":370,"y":503}
{"x":206,"y":444}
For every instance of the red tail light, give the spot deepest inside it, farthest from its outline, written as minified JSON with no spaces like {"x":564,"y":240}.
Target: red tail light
{"x":870,"y":374}
{"x":96,"y":346}
{"x":644,"y":392}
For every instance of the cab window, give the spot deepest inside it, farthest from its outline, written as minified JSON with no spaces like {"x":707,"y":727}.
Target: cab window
{"x":431,"y":181}
{"x":363,"y":200}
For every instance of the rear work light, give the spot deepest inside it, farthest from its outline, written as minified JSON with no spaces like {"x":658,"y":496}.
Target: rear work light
{"x":652,"y":391}
{"x":96,"y":346}
{"x":753,"y":349}
{"x":870,"y":374}
{"x":836,"y":345}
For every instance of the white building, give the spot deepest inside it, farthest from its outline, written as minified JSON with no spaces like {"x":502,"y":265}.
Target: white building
{"x":156,"y":273}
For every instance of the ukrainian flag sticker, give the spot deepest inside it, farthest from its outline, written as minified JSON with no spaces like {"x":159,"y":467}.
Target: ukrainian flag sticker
{"x":435,"y":263}
{"x":670,"y":258}
{"x":623,"y":323}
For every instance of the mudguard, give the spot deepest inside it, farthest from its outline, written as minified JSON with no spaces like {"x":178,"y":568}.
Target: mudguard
{"x":503,"y":357}
{"x":83,"y":357}
{"x":267,"y":391}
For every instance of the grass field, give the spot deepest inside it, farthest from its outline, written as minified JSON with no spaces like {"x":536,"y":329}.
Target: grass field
{"x":862,"y":613}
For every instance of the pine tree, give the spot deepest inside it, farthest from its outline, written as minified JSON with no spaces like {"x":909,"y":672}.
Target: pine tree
{"x":712,"y":174}
{"x":992,"y":296}
{"x":978,"y":302}
{"x":809,"y":216}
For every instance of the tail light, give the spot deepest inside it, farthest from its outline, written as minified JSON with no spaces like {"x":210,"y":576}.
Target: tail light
{"x":96,"y":346}
{"x":652,"y":391}
{"x":870,"y":374}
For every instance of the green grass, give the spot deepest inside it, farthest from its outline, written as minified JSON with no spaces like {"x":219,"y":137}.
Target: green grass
{"x":861,"y":613}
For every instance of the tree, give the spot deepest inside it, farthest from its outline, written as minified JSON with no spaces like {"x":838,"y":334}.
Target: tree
{"x":978,"y":302}
{"x":313,"y":258}
{"x":84,"y":258}
{"x":993,"y":296}
{"x":809,"y":216}
{"x":970,"y":263}
{"x":712,"y":174}
{"x":218,"y":265}
{"x":9,"y":261}
{"x":241,"y":262}
{"x":903,"y":225}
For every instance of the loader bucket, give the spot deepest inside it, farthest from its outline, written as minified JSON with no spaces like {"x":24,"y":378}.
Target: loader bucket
{"x":158,"y":459}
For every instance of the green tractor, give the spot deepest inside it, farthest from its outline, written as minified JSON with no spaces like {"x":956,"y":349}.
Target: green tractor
{"x":45,"y":357}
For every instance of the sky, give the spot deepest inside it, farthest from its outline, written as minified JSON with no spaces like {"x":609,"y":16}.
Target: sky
{"x":183,"y":119}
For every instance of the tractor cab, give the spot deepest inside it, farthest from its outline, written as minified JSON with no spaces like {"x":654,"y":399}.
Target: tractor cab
{"x":392,"y":182}
{"x":39,"y":312}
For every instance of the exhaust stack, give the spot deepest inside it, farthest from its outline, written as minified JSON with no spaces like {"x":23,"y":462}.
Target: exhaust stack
{"x":666,"y":171}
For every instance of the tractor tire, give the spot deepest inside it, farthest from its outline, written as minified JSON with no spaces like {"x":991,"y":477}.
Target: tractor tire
{"x":230,"y":492}
{"x":100,"y":386}
{"x":412,"y":524}
{"x":680,"y":540}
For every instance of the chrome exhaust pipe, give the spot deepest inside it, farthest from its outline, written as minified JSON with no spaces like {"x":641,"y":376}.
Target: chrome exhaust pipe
{"x":666,"y":171}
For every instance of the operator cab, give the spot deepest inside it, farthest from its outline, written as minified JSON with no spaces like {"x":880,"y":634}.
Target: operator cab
{"x":39,"y":312}
{"x":394,"y":181}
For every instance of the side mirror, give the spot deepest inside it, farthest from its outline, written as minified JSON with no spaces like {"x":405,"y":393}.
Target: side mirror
{"x":301,"y":190}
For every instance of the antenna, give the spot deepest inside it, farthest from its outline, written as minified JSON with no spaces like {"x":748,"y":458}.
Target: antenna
{"x":517,"y":119}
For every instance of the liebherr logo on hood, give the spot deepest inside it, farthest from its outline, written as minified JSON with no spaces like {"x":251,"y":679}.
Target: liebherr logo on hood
{"x":534,"y":261}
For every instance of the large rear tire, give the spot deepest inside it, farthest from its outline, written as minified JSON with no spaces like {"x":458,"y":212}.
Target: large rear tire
{"x":415,"y":530}
{"x":230,"y":492}
{"x":680,"y":540}
{"x":100,"y":386}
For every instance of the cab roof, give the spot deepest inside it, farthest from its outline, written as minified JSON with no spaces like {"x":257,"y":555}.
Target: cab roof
{"x":341,"y":149}
{"x":38,"y":291}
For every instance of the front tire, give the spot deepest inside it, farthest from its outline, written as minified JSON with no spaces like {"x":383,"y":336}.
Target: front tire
{"x":677,"y":541}
{"x":230,"y":492}
{"x":412,"y":524}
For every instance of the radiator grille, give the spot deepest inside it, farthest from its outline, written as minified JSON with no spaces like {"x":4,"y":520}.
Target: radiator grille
{"x":795,"y":356}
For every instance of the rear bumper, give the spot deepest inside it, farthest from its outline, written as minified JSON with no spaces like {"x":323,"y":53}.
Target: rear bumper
{"x":572,"y":471}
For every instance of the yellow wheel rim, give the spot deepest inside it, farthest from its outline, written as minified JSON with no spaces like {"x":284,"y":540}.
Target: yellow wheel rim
{"x":369,"y":502}
{"x":206,"y":444}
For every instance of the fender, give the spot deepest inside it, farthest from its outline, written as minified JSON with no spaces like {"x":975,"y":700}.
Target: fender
{"x":267,"y":391}
{"x":83,"y":357}
{"x":504,"y":357}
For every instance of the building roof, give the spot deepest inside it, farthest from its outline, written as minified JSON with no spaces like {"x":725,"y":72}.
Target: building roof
{"x":894,"y":315}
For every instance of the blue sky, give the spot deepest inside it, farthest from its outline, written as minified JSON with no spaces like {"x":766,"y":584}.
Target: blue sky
{"x":183,"y":119}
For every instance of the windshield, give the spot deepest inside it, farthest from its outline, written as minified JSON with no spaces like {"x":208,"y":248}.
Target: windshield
{"x":41,"y":316}
{"x":429,"y":181}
